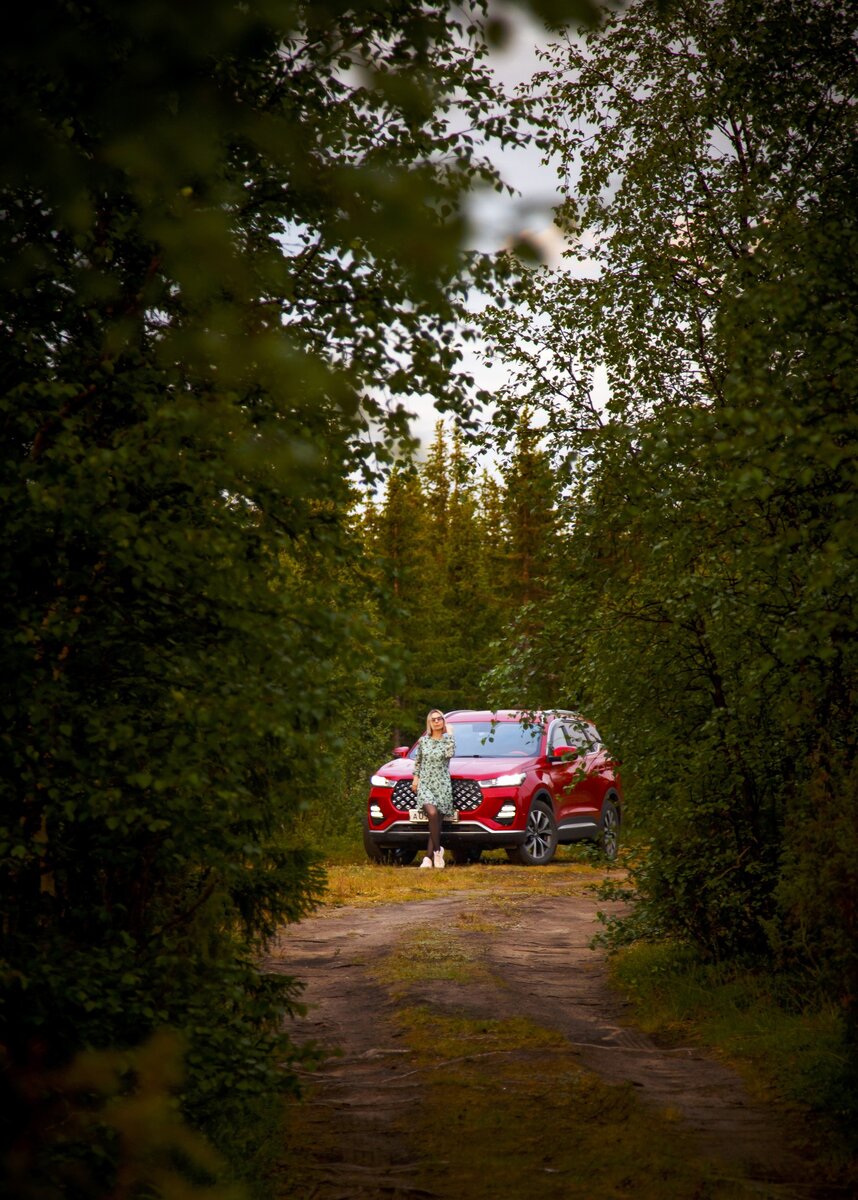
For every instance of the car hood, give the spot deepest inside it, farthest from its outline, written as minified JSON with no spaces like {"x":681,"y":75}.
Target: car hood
{"x":463,"y":768}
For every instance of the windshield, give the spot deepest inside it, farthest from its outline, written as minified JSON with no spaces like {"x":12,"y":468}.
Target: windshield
{"x":501,"y":739}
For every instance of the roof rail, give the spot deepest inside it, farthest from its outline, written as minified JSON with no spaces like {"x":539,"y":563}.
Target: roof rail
{"x":559,"y":712}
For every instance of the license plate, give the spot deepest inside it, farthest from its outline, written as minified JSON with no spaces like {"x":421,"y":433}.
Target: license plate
{"x":417,"y":814}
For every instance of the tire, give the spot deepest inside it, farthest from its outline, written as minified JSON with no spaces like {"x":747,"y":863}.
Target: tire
{"x":540,"y":840}
{"x":609,"y":838}
{"x":463,"y":856}
{"x":388,"y":856}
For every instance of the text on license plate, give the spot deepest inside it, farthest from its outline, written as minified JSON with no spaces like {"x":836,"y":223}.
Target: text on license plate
{"x":417,"y":814}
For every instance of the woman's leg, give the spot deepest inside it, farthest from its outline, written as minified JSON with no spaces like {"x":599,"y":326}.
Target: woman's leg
{"x":434,"y":829}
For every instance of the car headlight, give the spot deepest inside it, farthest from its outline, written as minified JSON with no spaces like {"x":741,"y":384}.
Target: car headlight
{"x":502,"y":781}
{"x":382,"y":781}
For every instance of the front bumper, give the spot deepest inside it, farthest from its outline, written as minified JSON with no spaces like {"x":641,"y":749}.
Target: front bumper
{"x":453,"y":834}
{"x":487,"y":818}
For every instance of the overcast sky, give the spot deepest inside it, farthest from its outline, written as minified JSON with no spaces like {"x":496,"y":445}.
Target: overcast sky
{"x":498,"y":218}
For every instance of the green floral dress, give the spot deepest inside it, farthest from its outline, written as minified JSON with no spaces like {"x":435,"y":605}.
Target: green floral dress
{"x":432,"y":765}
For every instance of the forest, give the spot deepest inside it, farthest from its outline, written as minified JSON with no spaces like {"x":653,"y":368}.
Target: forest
{"x":233,"y":581}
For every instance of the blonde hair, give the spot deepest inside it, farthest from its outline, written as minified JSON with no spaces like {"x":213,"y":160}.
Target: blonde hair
{"x":431,"y":713}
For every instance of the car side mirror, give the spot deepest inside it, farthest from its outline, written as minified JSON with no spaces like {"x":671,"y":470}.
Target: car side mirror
{"x":564,"y":752}
{"x":400,"y":751}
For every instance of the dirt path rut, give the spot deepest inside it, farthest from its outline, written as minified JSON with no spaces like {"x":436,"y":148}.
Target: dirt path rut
{"x":534,"y":962}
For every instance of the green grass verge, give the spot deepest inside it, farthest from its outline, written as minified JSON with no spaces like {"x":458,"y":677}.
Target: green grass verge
{"x":785,"y":1045}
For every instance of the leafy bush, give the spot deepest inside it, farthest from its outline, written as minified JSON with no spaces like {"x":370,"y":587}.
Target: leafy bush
{"x":225,"y":258}
{"x":781,"y":1034}
{"x":701,"y":602}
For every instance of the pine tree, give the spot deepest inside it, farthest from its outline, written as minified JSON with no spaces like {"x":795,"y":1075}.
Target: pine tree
{"x":530,"y":501}
{"x":435,"y":474}
{"x":400,"y":551}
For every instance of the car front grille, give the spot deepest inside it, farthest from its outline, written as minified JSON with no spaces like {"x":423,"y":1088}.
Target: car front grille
{"x":467,"y":795}
{"x":403,"y":798}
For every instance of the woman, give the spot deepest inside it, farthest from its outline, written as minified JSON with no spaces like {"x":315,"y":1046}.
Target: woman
{"x":431,"y":781}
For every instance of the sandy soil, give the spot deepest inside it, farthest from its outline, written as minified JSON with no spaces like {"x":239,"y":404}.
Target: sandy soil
{"x":539,"y":965}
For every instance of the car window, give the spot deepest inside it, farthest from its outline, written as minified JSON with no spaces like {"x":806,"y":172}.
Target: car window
{"x":583,"y":735}
{"x":494,"y":739}
{"x":558,"y":736}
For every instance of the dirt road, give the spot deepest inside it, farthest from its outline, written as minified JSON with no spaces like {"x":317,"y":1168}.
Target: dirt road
{"x":483,"y":1054}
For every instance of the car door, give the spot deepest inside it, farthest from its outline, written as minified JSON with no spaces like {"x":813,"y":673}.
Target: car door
{"x":582,"y":802}
{"x":562,"y":770}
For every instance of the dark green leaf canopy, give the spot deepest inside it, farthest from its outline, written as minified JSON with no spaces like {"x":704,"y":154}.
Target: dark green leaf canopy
{"x":707,"y":600}
{"x":230,"y":254}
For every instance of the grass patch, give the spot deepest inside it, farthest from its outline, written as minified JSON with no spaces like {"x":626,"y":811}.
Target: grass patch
{"x":508,"y":1112}
{"x":477,"y":921}
{"x":367,"y":884}
{"x":780,"y":1042}
{"x":455,"y":1037}
{"x":342,"y":849}
{"x":428,"y":952}
{"x":490,"y":1108}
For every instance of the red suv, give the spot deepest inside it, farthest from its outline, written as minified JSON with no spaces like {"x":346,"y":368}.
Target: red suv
{"x":521,"y":782}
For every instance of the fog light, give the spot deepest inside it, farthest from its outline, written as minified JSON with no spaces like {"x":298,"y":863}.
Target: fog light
{"x":506,"y":812}
{"x":376,"y":813}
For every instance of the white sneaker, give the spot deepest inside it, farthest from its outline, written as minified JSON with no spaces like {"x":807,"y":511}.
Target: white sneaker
{"x":427,"y":862}
{"x":439,"y":857}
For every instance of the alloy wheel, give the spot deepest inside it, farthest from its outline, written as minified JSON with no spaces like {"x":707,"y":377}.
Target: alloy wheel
{"x":610,"y":830}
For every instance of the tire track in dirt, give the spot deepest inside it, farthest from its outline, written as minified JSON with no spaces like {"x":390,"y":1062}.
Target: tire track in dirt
{"x":551,"y":973}
{"x":540,"y":967}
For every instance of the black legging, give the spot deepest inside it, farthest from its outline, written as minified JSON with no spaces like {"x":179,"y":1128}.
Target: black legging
{"x":434,"y":828}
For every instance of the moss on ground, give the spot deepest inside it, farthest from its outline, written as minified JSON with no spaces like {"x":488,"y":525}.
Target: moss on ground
{"x":428,"y":952}
{"x":368,"y":884}
{"x":507,"y":1110}
{"x":787,"y":1045}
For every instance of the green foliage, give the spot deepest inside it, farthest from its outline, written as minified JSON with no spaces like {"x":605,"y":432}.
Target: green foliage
{"x":765,"y":1021}
{"x":112,"y":1108}
{"x":230,"y":253}
{"x":703,"y":607}
{"x":818,"y":917}
{"x":353,"y":747}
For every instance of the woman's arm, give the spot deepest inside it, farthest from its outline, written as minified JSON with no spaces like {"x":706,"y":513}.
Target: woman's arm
{"x":449,"y":745}
{"x":418,"y":760}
